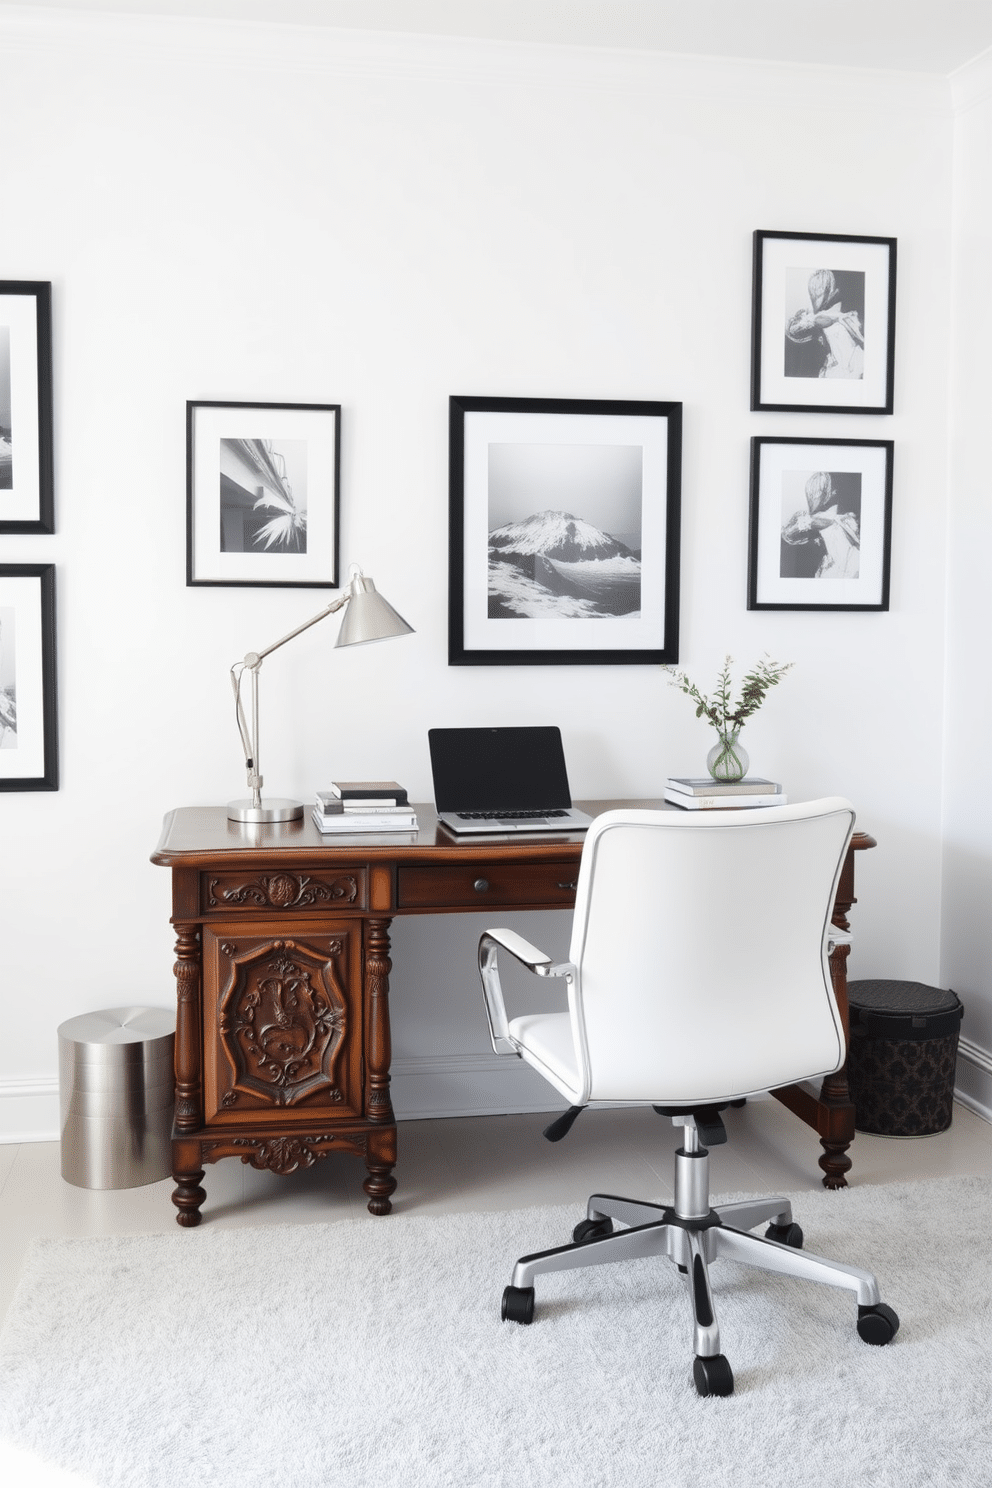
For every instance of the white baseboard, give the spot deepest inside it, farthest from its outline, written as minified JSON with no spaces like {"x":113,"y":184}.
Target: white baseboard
{"x":490,"y":1084}
{"x":431,"y":1087}
{"x":467,"y":1085}
{"x":29,"y":1110}
{"x":973,"y":1082}
{"x":446,"y":1085}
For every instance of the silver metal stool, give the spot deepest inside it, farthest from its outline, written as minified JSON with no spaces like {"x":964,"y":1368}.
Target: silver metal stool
{"x":117,"y":1093}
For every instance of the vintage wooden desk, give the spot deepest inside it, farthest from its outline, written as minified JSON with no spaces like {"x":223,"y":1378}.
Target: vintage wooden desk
{"x":282,"y":972}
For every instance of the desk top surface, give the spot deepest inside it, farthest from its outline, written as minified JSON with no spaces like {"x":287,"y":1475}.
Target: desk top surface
{"x":193,"y":834}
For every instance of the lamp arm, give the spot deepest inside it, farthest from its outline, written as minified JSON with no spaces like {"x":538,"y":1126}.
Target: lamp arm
{"x":370,"y":618}
{"x":252,"y":663}
{"x":254,"y":657}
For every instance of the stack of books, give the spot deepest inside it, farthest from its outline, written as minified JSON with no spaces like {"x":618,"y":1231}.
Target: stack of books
{"x":705,"y":794}
{"x":364,"y":806}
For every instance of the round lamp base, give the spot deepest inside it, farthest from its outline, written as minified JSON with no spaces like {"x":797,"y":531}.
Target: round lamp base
{"x":273,"y":810}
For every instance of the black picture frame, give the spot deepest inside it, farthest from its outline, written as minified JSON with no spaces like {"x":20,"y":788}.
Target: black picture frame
{"x":546,"y":606}
{"x":823,"y":323}
{"x":27,"y":463}
{"x":820,"y":532}
{"x":28,"y":688}
{"x":263,"y":485}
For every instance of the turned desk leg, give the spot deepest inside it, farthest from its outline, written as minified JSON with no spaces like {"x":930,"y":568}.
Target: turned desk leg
{"x":380,"y":1183}
{"x":831,"y":1113}
{"x":836,"y":1115}
{"x":836,"y":1130}
{"x":188,"y":1197}
{"x":381,"y":1145}
{"x":187,"y":1173}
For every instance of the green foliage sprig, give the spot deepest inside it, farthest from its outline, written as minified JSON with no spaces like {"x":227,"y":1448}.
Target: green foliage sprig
{"x":724,"y":715}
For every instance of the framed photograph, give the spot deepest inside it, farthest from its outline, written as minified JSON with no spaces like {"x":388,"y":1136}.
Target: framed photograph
{"x":821,"y":523}
{"x":26,"y":458}
{"x":28,"y":712}
{"x":262,"y":490}
{"x":564,"y":531}
{"x":823,"y":323}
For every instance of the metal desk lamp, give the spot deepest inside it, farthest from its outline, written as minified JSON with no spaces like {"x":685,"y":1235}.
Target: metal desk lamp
{"x":368,"y":618}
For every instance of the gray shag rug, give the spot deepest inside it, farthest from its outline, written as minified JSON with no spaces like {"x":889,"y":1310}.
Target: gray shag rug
{"x":370,"y":1352}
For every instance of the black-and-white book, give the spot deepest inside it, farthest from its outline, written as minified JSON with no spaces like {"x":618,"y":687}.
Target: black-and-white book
{"x":356,"y":793}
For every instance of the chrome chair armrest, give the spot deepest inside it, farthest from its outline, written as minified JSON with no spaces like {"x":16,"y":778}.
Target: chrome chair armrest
{"x":528,"y":955}
{"x":837,"y":938}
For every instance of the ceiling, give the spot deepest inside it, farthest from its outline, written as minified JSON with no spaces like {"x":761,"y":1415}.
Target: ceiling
{"x":931,"y":36}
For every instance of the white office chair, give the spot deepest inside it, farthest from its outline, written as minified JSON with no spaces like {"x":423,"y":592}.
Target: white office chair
{"x":698,"y":975}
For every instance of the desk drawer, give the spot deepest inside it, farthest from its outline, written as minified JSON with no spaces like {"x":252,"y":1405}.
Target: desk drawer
{"x":476,"y":885}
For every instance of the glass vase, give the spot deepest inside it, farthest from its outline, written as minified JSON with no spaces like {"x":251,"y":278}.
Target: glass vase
{"x":728,"y":759}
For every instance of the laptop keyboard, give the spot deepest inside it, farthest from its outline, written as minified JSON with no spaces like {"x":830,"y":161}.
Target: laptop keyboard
{"x":508,"y":815}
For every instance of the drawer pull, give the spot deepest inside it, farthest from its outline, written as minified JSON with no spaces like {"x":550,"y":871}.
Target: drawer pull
{"x":481,"y":885}
{"x":571,"y":886}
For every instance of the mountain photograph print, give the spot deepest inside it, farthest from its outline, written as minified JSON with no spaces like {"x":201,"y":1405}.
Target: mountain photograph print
{"x":565,"y":534}
{"x":564,"y":531}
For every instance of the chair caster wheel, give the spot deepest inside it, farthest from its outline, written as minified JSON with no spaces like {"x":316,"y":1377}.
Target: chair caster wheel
{"x":712,"y":1375}
{"x":518,"y":1305}
{"x":790,"y":1234}
{"x":877,"y":1324}
{"x":592,"y":1229}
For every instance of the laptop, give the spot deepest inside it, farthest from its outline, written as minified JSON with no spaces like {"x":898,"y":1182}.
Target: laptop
{"x":502,"y":780}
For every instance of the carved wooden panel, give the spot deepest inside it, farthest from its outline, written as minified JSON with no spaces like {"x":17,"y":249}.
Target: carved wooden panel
{"x":282,"y":1021}
{"x":281,"y":1154}
{"x":283,"y":891}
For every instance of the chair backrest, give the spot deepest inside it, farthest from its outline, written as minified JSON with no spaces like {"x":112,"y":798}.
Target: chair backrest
{"x":700,"y":943}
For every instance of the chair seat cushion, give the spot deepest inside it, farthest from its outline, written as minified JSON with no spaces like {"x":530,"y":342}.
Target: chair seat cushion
{"x":545,"y":1041}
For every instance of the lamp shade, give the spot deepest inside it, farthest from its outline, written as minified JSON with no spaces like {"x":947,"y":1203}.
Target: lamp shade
{"x":369,"y":617}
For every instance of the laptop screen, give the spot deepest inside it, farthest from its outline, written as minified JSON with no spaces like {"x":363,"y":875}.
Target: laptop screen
{"x":498,"y":769}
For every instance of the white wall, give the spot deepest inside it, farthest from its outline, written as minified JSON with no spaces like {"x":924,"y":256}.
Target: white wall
{"x":243,"y":212}
{"x":967,"y":882}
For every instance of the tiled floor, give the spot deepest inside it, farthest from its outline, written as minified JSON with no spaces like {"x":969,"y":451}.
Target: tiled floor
{"x":476,"y":1163}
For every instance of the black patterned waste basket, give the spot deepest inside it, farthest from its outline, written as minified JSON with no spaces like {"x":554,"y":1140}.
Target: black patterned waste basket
{"x":902,"y":1057}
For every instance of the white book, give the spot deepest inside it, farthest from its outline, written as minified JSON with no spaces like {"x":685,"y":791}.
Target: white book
{"x":723,"y":803}
{"x":360,"y":808}
{"x":341,"y":825}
